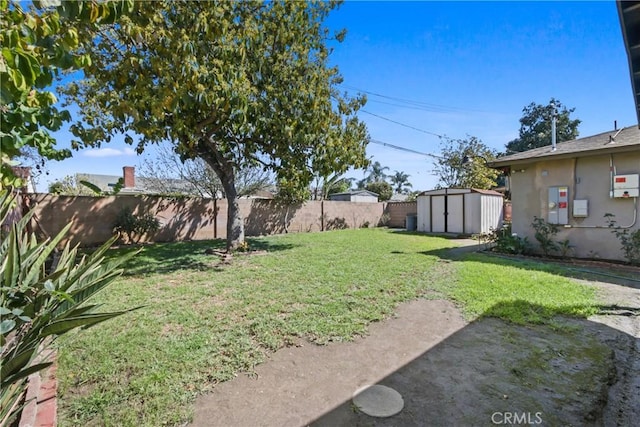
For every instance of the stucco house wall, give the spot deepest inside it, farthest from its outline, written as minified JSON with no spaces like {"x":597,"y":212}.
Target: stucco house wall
{"x":587,"y":178}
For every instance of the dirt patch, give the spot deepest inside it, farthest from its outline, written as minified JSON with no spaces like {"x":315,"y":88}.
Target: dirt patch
{"x":490,"y":370}
{"x":622,"y":313}
{"x":225,"y":259}
{"x":448,"y":371}
{"x":172,"y":329}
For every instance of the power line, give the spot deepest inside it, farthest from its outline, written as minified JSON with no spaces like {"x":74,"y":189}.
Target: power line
{"x":408,"y":150}
{"x":402,"y":124}
{"x":429,"y":110}
{"x":421,"y":104}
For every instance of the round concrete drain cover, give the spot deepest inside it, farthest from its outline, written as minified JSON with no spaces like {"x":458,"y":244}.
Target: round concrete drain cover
{"x":378,"y":401}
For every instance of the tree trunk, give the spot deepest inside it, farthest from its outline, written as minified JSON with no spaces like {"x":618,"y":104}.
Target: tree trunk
{"x":286,"y":219}
{"x":226,"y":173}
{"x":235,"y":222}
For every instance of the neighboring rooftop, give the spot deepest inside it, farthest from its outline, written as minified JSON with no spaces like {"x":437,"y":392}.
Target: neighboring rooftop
{"x":621,"y":140}
{"x":142,"y":185}
{"x":397,"y":197}
{"x":138,"y":185}
{"x":355,"y":192}
{"x":133,"y":184}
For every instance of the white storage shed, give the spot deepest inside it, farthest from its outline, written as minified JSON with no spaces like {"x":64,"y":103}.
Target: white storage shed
{"x":355,"y":196}
{"x":459,"y":210}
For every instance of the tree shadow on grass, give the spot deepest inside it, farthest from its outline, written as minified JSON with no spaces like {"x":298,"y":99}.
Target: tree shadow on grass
{"x":524,"y":312}
{"x":575,"y":269}
{"x":161,"y":258}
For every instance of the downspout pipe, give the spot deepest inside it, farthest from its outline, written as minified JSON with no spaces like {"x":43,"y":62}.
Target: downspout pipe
{"x":612,"y":170}
{"x":611,"y":176}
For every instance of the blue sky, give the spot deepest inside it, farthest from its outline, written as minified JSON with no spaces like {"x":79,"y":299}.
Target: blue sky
{"x":468,"y":68}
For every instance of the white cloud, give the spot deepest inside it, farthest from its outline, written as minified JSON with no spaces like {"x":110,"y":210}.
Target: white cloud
{"x":109,"y":152}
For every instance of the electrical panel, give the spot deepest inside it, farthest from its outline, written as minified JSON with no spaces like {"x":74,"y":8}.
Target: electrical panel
{"x":626,"y":186}
{"x":558,"y":205}
{"x":580,"y":208}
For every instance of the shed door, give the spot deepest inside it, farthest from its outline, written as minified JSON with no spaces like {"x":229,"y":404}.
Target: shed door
{"x":456,"y":215}
{"x":453,"y":223}
{"x":437,"y":214}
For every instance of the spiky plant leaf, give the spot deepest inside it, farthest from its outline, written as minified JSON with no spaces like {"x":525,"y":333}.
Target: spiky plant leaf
{"x":38,"y":305}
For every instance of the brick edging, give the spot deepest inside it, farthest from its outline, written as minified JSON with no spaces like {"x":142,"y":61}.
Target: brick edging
{"x":42,"y":409}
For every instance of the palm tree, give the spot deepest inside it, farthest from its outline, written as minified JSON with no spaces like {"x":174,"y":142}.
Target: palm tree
{"x":376,"y":173}
{"x":336,"y":183}
{"x":401,"y":183}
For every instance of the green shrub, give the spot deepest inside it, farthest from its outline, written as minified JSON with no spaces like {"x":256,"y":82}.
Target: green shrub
{"x":506,"y":242}
{"x":135,"y":226}
{"x":38,"y":304}
{"x":630,"y":240}
{"x":565,"y":248}
{"x":337,"y":224}
{"x":544,"y":234}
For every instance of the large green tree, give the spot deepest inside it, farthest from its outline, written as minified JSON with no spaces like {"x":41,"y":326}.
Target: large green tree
{"x":462,"y":164}
{"x":535,"y":126}
{"x":234,"y":83}
{"x":382,"y":188}
{"x":38,"y":44}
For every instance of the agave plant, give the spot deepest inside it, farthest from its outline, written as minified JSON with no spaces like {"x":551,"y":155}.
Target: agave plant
{"x":39,"y":303}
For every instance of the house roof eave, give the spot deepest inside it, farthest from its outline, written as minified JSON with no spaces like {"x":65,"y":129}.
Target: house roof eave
{"x":617,"y":141}
{"x":629,"y":14}
{"x":498,"y":164}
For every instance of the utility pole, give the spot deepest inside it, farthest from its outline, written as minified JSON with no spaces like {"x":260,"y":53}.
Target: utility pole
{"x":553,"y":126}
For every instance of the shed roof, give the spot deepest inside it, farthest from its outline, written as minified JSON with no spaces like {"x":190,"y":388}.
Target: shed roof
{"x":452,"y":191}
{"x":355,"y":193}
{"x":621,"y":140}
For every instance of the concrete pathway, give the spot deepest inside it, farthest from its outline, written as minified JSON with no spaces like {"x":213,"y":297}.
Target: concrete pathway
{"x":300,"y":384}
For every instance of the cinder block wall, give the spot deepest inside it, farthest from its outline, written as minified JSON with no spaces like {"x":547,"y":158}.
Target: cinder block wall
{"x":398,"y":212}
{"x":92,"y":218}
{"x":183,"y":218}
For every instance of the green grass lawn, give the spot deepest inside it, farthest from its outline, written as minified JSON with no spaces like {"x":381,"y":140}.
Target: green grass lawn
{"x":203,"y":322}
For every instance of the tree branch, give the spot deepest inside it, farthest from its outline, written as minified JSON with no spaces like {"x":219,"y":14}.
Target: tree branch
{"x":206,"y":122}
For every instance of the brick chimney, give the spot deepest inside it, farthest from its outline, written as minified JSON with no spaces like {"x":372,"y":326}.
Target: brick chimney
{"x":129,"y":176}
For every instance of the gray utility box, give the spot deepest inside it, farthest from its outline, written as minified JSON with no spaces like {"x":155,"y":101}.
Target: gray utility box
{"x":412,"y":222}
{"x":558,"y":205}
